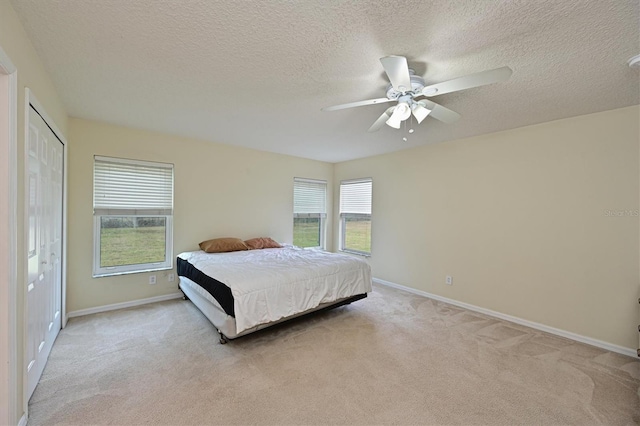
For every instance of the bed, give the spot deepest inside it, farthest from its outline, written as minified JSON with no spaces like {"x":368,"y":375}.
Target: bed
{"x":241,"y":292}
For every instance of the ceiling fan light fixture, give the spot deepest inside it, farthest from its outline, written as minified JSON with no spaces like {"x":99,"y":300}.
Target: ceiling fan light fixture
{"x":419,"y":111}
{"x":394,"y":122}
{"x":401,"y":112}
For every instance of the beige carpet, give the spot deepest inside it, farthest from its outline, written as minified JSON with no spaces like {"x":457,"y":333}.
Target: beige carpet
{"x":393,"y":358}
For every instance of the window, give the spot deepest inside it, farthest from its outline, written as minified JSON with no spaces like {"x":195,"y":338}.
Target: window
{"x":132,"y":216}
{"x":355,"y":216}
{"x":309,"y":212}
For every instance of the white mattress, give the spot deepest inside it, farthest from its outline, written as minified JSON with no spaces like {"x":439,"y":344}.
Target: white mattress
{"x":270,"y":284}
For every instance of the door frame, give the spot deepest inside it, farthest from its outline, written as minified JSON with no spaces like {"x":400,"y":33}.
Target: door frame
{"x":8,"y":248}
{"x":31,"y":100}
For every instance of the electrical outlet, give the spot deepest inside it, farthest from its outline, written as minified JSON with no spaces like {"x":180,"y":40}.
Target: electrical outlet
{"x":171,"y":277}
{"x":152,"y":279}
{"x":449,"y":280}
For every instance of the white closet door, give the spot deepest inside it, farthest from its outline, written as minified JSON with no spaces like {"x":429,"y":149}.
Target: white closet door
{"x":44,"y":248}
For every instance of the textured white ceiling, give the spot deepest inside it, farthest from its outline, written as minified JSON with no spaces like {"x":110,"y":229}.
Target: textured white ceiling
{"x":255,"y":73}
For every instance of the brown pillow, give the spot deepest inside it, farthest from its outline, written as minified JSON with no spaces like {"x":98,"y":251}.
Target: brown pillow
{"x":223,"y":245}
{"x":261,"y":243}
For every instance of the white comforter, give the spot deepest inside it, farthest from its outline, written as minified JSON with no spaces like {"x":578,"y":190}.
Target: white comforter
{"x":271,"y":284}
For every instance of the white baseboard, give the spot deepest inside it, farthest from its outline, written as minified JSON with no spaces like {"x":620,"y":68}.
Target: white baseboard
{"x":23,"y":420}
{"x":558,"y":332}
{"x":123,"y":305}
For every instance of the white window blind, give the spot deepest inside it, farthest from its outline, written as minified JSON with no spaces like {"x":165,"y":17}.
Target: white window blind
{"x":355,"y":196}
{"x":309,"y":197}
{"x":130,"y":187}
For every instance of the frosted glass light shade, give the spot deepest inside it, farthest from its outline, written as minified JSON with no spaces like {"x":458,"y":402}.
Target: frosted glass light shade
{"x":400,"y":113}
{"x":419,"y":112}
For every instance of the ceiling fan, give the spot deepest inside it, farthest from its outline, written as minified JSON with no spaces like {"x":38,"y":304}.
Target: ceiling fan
{"x":406,"y":87}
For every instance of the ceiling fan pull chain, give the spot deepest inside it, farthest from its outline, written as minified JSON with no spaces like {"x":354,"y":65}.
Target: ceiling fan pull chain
{"x":404,"y":125}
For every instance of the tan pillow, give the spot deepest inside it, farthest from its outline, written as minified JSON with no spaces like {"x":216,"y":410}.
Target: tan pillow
{"x":223,"y":245}
{"x":261,"y":243}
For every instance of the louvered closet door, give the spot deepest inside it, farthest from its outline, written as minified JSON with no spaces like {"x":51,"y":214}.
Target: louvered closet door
{"x":44,"y":284}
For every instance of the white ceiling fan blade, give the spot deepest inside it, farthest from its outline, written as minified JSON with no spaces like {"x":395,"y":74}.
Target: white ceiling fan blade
{"x":398,"y":72}
{"x":439,"y":112}
{"x":357,"y":104}
{"x":469,"y":81}
{"x":381,"y":120}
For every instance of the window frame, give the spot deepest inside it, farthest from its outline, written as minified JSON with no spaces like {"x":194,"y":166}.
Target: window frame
{"x":322,"y":230}
{"x":345,"y":216}
{"x":321,"y":216}
{"x":99,"y":271}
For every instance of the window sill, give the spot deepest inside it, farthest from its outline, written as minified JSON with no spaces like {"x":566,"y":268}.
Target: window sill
{"x":357,"y":253}
{"x":141,"y":271}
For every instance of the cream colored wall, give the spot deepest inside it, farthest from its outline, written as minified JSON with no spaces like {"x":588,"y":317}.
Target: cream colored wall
{"x":519,"y":220}
{"x":31,"y":74}
{"x":220,"y":191}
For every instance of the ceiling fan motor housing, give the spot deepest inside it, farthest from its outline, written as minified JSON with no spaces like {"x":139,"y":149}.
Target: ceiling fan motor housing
{"x":417,"y":84}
